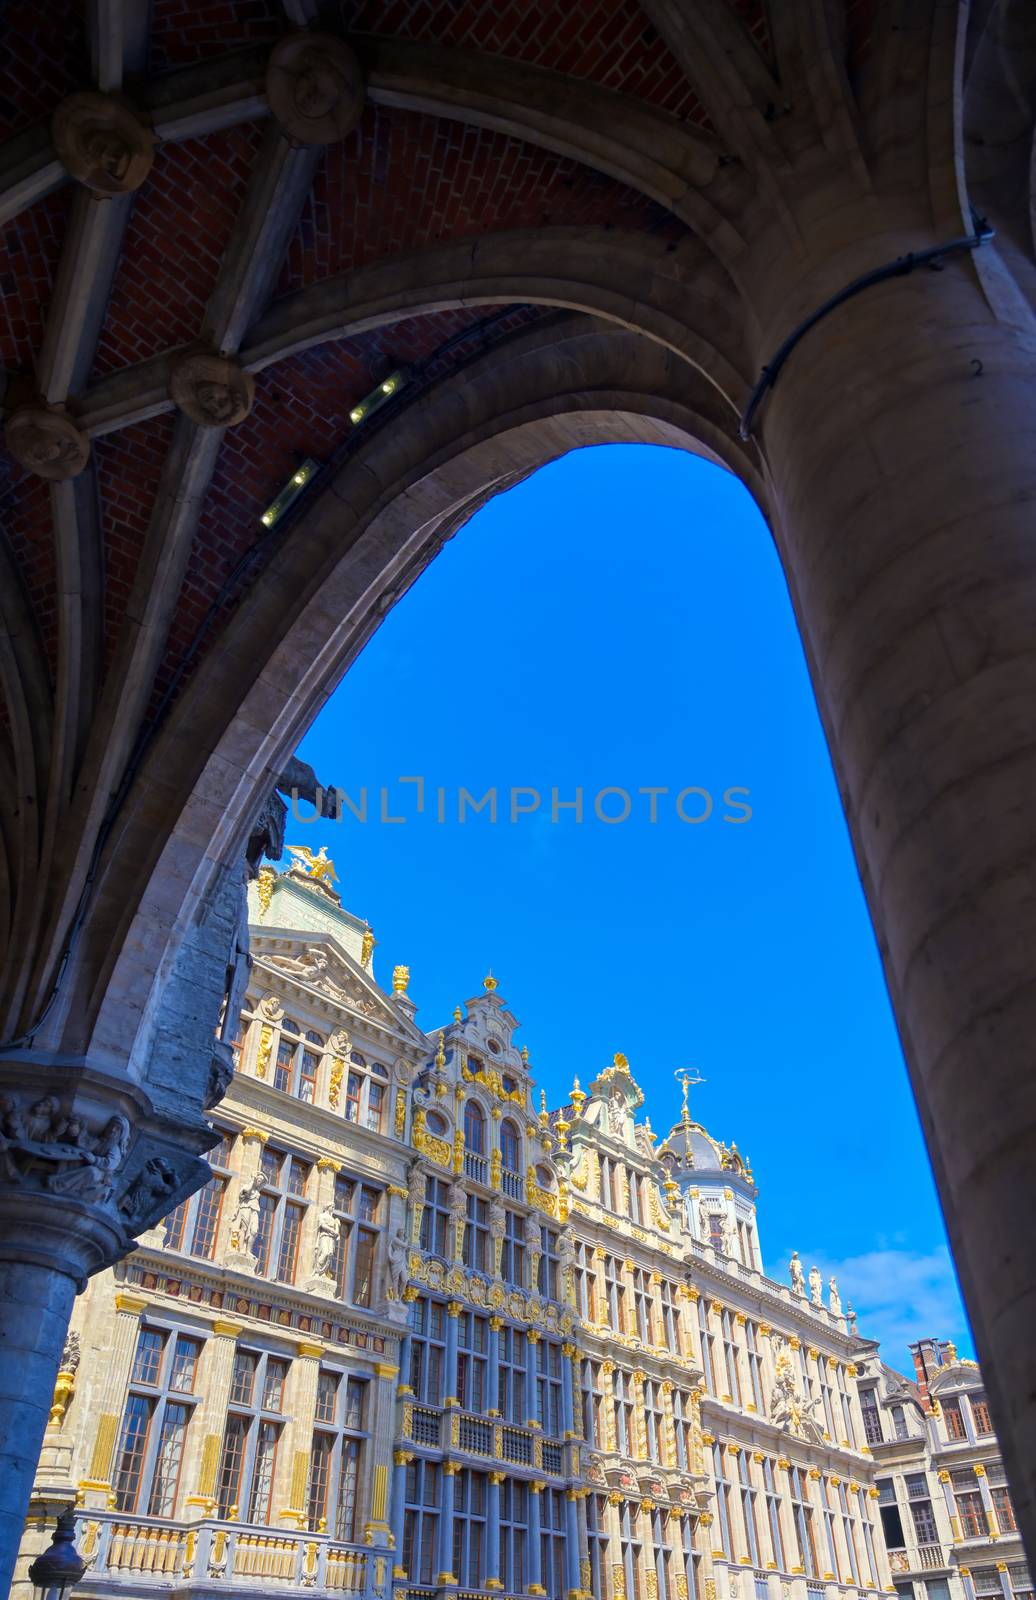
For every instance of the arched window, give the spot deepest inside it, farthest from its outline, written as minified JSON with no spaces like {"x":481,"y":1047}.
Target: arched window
{"x":510,"y":1147}
{"x":474,"y":1128}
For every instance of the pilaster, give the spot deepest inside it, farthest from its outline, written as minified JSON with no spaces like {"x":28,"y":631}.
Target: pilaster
{"x":118,"y":1364}
{"x":216,"y":1372}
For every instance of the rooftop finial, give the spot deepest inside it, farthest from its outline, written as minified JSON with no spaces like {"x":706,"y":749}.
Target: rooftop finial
{"x":686,"y":1080}
{"x":489,"y":982}
{"x":440,"y":1054}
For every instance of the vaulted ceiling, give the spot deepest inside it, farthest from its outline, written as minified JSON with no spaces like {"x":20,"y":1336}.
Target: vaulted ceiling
{"x":221,"y":234}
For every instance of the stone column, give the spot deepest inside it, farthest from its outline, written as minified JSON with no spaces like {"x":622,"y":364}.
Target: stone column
{"x":453,"y":1311}
{"x":639,"y":1420}
{"x":629,"y":1318}
{"x":987,"y":1500}
{"x":600,"y":1289}
{"x":532,"y":1342}
{"x":568,"y":1392}
{"x":401,"y":1459}
{"x":493,"y":1363}
{"x":449,"y":1473}
{"x":210,"y":1416}
{"x":377,"y":1529}
{"x":572,"y":1546}
{"x":608,"y":1395}
{"x":534,"y":1564}
{"x":87,"y":1164}
{"x":668,"y":1440}
{"x":295,"y":1448}
{"x":900,"y":442}
{"x":493,"y":1531}
{"x":118,"y":1363}
{"x":657,"y":1329}
{"x":951,"y":1505}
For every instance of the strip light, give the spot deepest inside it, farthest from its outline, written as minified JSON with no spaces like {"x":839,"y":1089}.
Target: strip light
{"x":302,"y":475}
{"x":377,"y":397}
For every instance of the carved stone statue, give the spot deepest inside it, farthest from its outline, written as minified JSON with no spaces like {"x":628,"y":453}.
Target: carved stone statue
{"x":532,"y":1232}
{"x":816,"y":1286}
{"x":704,"y":1222}
{"x":315,"y":87}
{"x":788,"y":1409}
{"x":458,"y":1203}
{"x":834,"y":1299}
{"x":497,"y":1218}
{"x":71,"y":1354}
{"x":617,"y":1114}
{"x":244,"y":1224}
{"x":728,"y":1234}
{"x":798,"y":1279}
{"x":398,"y":1264}
{"x":415,"y":1178}
{"x":329,"y":1230}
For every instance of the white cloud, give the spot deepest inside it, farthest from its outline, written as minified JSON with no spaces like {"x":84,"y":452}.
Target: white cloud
{"x":899,"y":1296}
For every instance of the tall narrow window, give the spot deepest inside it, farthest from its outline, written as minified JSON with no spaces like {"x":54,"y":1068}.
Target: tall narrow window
{"x":435,"y":1217}
{"x":339,"y":1438}
{"x":472,"y":1349}
{"x":427,"y":1350}
{"x":251,"y":1435}
{"x":422,"y":1496}
{"x":358,"y":1208}
{"x":512,"y":1257}
{"x":469,"y":1528}
{"x":514,"y":1535}
{"x":155,"y":1421}
{"x":192,"y":1226}
{"x":511,"y":1366}
{"x":474,"y":1128}
{"x":282,"y":1206}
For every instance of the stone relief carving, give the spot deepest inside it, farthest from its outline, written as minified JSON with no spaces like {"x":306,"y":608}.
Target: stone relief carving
{"x":211,"y":390}
{"x":788,"y":1407}
{"x":46,"y":442}
{"x":315,"y":87}
{"x":42,"y":1147}
{"x":102,"y":142}
{"x":153,"y":1184}
{"x":311,"y":965}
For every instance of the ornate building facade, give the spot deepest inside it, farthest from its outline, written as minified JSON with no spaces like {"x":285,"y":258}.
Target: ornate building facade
{"x":418,"y":1336}
{"x":947,"y":1516}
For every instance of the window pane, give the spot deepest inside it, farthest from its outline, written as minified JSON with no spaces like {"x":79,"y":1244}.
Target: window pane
{"x":185,"y":1362}
{"x":168,"y":1460}
{"x":355,"y":1394}
{"x":243,"y":1381}
{"x":264,"y":1235}
{"x":364,"y":1264}
{"x":319,"y":1479}
{"x":262,"y":1472}
{"x":327,"y":1396}
{"x":132,"y":1445}
{"x":345,"y":1526}
{"x":287,"y":1258}
{"x":210,"y":1204}
{"x":273,"y":1384}
{"x":148,"y":1359}
{"x":229,"y":1487}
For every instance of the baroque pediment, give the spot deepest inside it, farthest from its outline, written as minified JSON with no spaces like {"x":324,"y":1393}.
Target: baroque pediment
{"x":322,"y":966}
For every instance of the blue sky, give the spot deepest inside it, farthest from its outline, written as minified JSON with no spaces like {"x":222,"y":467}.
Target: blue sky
{"x":620,"y":622}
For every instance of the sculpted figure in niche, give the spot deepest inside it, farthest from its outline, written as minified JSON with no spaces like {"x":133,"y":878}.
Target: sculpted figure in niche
{"x":798,"y":1278}
{"x":245,"y":1222}
{"x":326,"y":1247}
{"x":617,"y":1114}
{"x":398,"y":1264}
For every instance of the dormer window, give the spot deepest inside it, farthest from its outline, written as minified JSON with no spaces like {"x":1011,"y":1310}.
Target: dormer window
{"x":495,"y":1046}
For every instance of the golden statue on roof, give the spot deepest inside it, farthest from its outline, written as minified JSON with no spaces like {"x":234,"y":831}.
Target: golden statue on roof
{"x":319,"y":867}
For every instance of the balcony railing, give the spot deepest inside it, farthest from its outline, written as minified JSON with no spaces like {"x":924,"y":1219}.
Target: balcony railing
{"x":492,"y":1440}
{"x":931,"y":1555}
{"x":476,"y":1167}
{"x":153,"y":1551}
{"x":513,"y":1184}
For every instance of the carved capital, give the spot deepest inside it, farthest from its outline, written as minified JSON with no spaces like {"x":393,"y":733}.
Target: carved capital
{"x":315,"y":87}
{"x":102,"y":143}
{"x":211,"y":390}
{"x":46,"y":442}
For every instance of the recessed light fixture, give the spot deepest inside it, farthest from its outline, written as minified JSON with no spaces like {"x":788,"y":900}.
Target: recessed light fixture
{"x":377,"y":397}
{"x":303,"y":474}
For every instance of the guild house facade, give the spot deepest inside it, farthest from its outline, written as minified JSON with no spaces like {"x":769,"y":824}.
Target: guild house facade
{"x":420,"y":1335}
